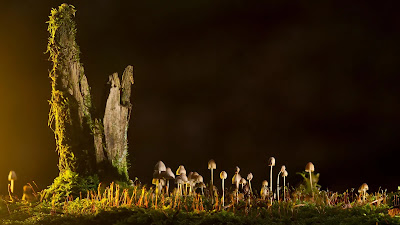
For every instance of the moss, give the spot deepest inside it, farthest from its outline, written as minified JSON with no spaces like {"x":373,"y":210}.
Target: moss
{"x":68,"y":184}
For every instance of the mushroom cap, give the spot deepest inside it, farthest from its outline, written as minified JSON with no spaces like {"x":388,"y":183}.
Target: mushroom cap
{"x":160,"y":166}
{"x":190,"y":176}
{"x":184,"y":177}
{"x":178,"y":180}
{"x":285,"y":174}
{"x":283,"y":168}
{"x":271,"y":161}
{"x":223,"y":175}
{"x":212,"y":164}
{"x":249,"y":176}
{"x":237,"y":169}
{"x":363,"y":187}
{"x":236,"y":178}
{"x":12,"y":175}
{"x":265,"y":183}
{"x":27,"y":189}
{"x":310,"y":167}
{"x":243,"y":181}
{"x":168,"y":174}
{"x":180,"y":170}
{"x":199,"y":179}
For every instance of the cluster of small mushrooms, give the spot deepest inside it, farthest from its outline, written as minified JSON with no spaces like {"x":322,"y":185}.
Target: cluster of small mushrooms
{"x":189,"y":183}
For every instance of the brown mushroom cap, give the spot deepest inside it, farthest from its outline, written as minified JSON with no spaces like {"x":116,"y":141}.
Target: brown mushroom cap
{"x":363,"y":187}
{"x":243,"y":181}
{"x":283,"y":168}
{"x":310,"y":167}
{"x":199,"y":179}
{"x":271,"y":161}
{"x":249,"y":176}
{"x":212,"y":164}
{"x":160,"y":166}
{"x":237,"y":169}
{"x":285,"y":174}
{"x":223,"y":175}
{"x":178,"y":180}
{"x":265,"y":183}
{"x":168,"y":174}
{"x":180,"y":170}
{"x":12,"y":175}
{"x":184,"y":177}
{"x":236,"y":178}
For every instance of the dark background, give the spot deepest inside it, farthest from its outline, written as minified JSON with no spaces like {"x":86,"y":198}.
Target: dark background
{"x":237,"y":81}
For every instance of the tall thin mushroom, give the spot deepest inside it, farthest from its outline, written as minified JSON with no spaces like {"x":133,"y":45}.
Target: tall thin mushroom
{"x":12,"y":176}
{"x":223,"y":175}
{"x":212,"y":166}
{"x":236,"y":180}
{"x":249,"y":178}
{"x":284,"y":175}
{"x":283,"y":168}
{"x":271,"y":163}
{"x":310,"y":168}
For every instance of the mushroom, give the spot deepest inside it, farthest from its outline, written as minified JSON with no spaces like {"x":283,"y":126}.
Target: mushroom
{"x":310,"y":168}
{"x":264,"y":190}
{"x":223,"y":175}
{"x":212,"y":166}
{"x":168,"y":175}
{"x":236,"y":180}
{"x":249,"y":178}
{"x":284,"y":175}
{"x":363,"y":189}
{"x":271,"y":163}
{"x":158,"y":169}
{"x":12,"y":176}
{"x":201,"y":185}
{"x":160,"y":166}
{"x":192,"y":177}
{"x":28,"y":193}
{"x":283,"y":168}
{"x":199,"y":180}
{"x":180,"y":170}
{"x":243,"y":182}
{"x":179,"y":182}
{"x":185,"y":181}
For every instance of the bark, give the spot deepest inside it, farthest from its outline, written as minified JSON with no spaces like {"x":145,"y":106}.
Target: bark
{"x":86,"y":145}
{"x":116,"y":121}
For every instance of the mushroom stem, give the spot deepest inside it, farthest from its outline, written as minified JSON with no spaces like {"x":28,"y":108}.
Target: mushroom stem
{"x":270,"y":184}
{"x":277,"y":186}
{"x":12,"y":186}
{"x":284,"y":191}
{"x":167,"y":187}
{"x":9,"y":193}
{"x":223,"y":193}
{"x":157,"y":183}
{"x":212,"y":176}
{"x":237,"y":192}
{"x":311,"y":186}
{"x":250,"y":187}
{"x":364,"y":195}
